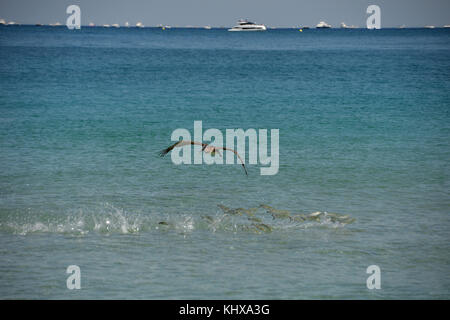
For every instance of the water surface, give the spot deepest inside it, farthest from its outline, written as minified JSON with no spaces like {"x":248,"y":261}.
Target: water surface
{"x":364,"y":133}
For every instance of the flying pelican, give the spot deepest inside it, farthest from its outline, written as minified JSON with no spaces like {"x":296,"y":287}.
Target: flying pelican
{"x":205,"y":148}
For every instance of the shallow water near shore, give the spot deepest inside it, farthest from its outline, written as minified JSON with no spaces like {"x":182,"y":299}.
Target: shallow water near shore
{"x":363,"y":178}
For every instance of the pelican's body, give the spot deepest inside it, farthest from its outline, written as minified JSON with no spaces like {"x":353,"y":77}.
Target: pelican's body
{"x":205,"y":148}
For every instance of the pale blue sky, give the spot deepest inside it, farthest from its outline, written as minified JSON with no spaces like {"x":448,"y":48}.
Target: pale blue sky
{"x":277,"y":13}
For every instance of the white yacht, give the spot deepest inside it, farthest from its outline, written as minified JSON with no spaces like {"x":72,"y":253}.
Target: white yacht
{"x":323,"y":25}
{"x":245,"y":25}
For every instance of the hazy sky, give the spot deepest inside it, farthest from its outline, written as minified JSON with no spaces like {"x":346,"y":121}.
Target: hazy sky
{"x":277,"y":13}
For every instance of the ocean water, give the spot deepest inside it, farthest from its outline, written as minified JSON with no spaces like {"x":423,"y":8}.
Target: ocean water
{"x":364,"y":140}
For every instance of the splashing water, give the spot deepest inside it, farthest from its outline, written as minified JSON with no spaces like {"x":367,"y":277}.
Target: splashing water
{"x":108,"y":219}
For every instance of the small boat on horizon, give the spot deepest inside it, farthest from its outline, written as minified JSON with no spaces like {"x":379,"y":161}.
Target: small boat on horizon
{"x":323,"y":25}
{"x":11,"y":23}
{"x":245,"y":25}
{"x":344,"y":26}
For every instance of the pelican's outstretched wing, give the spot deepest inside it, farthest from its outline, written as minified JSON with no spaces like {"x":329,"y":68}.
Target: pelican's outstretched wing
{"x":180,"y":143}
{"x":242,"y":162}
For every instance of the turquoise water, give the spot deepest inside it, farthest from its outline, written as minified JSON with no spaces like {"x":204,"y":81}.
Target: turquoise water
{"x":364,"y":140}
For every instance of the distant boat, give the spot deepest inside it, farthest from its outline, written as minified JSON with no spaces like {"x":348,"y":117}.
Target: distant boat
{"x":91,"y":24}
{"x":402,"y":26}
{"x":57,"y":24}
{"x":323,"y":25}
{"x":447,"y":26}
{"x":2,"y":22}
{"x":207,"y":27}
{"x":38,"y":24}
{"x":245,"y":25}
{"x":139,"y":25}
{"x":344,"y":26}
{"x":429,"y":27}
{"x":116,"y":25}
{"x":127,"y":24}
{"x":106,"y":26}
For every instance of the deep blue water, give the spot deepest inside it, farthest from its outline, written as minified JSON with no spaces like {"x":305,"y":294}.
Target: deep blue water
{"x":364,"y":133}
